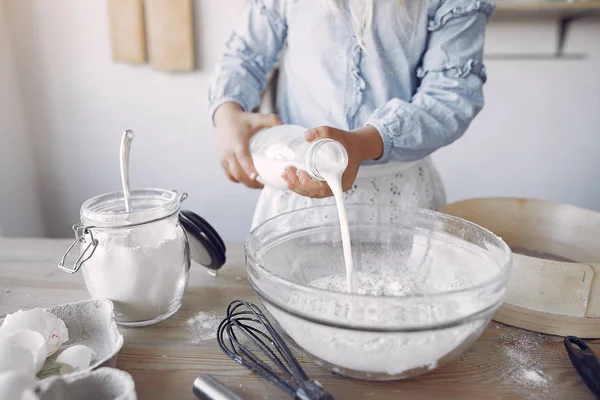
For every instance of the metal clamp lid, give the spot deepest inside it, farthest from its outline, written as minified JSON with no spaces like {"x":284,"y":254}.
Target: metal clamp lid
{"x":81,"y":231}
{"x":206,"y":246}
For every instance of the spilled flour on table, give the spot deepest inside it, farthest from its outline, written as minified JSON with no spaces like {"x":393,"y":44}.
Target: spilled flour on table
{"x":203,"y":326}
{"x":534,"y":377}
{"x":523,"y":353}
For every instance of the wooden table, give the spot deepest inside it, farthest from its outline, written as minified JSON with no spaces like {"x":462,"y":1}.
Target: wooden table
{"x":505,"y":363}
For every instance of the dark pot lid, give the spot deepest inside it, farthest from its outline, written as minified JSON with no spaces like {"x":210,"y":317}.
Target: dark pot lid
{"x":206,"y":246}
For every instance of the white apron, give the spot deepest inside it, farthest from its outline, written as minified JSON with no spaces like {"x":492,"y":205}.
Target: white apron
{"x":403,"y":185}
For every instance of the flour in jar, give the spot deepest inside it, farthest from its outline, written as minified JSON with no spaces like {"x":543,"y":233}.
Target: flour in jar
{"x":142,"y":272}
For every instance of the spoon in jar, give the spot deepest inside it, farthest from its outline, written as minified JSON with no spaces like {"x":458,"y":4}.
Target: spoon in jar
{"x":126,"y":140}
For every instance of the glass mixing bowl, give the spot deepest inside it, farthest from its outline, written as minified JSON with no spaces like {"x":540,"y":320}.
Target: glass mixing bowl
{"x":428,"y":285}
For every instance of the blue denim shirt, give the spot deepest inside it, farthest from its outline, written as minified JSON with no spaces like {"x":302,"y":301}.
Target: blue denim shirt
{"x":420,"y":86}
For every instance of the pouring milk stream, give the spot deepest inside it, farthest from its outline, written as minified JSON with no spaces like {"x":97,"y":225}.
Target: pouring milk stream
{"x":275,"y":148}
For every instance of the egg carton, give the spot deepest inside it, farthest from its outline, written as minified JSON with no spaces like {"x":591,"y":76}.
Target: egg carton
{"x":100,"y":384}
{"x":90,"y":323}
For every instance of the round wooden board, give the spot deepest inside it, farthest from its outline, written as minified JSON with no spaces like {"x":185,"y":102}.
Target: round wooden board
{"x":556,"y":291}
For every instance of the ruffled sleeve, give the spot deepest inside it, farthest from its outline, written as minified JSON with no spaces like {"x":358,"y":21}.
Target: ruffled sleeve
{"x":250,"y":54}
{"x":450,"y":93}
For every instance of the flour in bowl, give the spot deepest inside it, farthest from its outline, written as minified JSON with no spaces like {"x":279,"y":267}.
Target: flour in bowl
{"x":441,"y":267}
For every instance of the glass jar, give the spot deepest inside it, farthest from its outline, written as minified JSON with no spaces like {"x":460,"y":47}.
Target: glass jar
{"x":140,"y":259}
{"x":275,"y":148}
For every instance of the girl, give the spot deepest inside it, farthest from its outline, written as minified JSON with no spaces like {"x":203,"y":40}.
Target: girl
{"x":392,"y":80}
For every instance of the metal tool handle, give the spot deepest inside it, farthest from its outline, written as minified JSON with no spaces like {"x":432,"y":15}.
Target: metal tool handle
{"x":312,"y":390}
{"x":207,"y":387}
{"x":585,"y":362}
{"x":126,"y":139}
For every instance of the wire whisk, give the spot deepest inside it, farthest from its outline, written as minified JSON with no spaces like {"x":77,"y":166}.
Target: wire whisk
{"x":246,"y":328}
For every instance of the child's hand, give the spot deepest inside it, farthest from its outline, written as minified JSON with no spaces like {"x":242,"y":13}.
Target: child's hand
{"x":361,"y":144}
{"x":235,"y":128}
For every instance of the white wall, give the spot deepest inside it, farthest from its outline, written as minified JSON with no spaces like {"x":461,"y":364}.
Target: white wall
{"x":79,"y":101}
{"x":19,"y":200}
{"x":535,"y":138}
{"x":539,"y":134}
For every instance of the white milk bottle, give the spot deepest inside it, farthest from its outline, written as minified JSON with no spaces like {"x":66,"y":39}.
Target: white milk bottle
{"x":275,"y":148}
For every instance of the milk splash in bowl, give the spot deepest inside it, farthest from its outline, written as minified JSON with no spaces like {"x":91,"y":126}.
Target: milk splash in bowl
{"x":278,"y":147}
{"x":418,"y":292}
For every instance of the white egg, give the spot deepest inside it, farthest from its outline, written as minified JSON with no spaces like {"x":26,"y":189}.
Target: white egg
{"x":31,"y":319}
{"x":34,"y":342}
{"x":15,"y":358}
{"x":75,"y":358}
{"x":17,"y":385}
{"x":51,"y":327}
{"x":24,"y":350}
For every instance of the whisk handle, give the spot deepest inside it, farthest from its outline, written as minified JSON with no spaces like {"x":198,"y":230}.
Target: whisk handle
{"x":312,"y":390}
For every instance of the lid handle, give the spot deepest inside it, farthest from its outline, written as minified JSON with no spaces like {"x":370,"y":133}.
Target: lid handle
{"x":585,"y":362}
